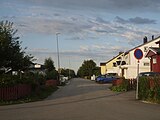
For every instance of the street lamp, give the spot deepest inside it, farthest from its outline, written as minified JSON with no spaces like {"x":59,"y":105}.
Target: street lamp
{"x":58,"y":57}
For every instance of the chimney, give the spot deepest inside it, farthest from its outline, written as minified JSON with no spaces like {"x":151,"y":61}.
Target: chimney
{"x":120,"y":53}
{"x":144,"y":40}
{"x":152,"y":37}
{"x":158,"y":42}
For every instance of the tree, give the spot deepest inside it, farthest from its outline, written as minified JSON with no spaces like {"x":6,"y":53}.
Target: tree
{"x":87,"y":69}
{"x":68,"y":73}
{"x":51,"y":72}
{"x":49,"y":64}
{"x":97,"y":71}
{"x":11,"y":53}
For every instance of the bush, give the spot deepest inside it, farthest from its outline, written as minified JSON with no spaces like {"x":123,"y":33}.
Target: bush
{"x":51,"y":75}
{"x":9,"y":80}
{"x":27,"y":78}
{"x":119,"y":88}
{"x":123,"y":86}
{"x":144,"y":88}
{"x":149,"y":89}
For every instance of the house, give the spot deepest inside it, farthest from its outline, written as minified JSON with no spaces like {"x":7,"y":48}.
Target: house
{"x":128,"y":65}
{"x":109,"y":66}
{"x":103,"y":68}
{"x":37,"y":68}
{"x":154,"y":56}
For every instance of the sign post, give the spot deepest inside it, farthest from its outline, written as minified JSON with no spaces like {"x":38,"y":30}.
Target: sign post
{"x":138,"y":55}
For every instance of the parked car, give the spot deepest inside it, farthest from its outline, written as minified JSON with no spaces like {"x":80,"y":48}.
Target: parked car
{"x":107,"y":78}
{"x":149,"y":74}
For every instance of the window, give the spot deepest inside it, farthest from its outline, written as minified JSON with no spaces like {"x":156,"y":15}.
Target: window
{"x":121,"y":62}
{"x":145,"y":49}
{"x":114,"y":64}
{"x":146,"y":64}
{"x":154,"y":60}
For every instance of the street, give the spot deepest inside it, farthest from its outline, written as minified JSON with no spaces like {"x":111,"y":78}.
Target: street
{"x":83,"y":100}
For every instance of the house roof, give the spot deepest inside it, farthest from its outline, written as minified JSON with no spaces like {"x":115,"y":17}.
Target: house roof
{"x":141,"y":45}
{"x":102,"y":64}
{"x":152,"y":51}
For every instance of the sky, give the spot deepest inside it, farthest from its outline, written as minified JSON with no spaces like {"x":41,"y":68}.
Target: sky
{"x":89,"y":29}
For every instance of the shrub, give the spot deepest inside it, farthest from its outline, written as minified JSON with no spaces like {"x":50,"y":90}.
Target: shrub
{"x":144,"y":88}
{"x":51,"y":75}
{"x":149,"y":88}
{"x":9,"y":80}
{"x":121,"y":86}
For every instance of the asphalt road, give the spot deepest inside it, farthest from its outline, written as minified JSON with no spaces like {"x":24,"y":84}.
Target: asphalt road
{"x":83,"y":100}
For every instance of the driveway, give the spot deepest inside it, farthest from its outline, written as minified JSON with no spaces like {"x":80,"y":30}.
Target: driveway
{"x":83,"y":100}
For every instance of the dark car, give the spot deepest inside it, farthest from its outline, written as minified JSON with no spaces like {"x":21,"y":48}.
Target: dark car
{"x":107,"y":78}
{"x":146,"y":74}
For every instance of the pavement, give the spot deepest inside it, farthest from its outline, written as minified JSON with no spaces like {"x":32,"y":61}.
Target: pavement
{"x":83,"y":100}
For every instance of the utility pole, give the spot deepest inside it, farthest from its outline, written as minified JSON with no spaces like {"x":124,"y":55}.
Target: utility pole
{"x":59,"y":72}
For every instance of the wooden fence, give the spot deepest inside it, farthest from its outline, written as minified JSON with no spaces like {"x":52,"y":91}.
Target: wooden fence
{"x":132,"y":84}
{"x":15,"y":92}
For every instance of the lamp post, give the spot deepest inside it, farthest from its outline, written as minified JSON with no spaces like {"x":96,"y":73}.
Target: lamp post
{"x":58,"y":57}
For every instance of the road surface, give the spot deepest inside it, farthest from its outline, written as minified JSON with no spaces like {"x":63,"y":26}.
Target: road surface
{"x":83,"y":100}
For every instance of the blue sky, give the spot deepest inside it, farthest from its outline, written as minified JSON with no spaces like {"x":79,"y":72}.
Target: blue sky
{"x":89,"y":29}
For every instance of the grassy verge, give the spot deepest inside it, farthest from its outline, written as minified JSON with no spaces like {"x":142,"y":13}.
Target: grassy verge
{"x":41,"y":94}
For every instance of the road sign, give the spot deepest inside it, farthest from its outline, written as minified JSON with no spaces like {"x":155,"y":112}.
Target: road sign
{"x":138,"y":54}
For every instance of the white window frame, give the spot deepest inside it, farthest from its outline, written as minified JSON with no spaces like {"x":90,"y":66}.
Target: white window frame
{"x":154,"y":60}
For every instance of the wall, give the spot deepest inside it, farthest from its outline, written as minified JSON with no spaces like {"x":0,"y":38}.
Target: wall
{"x":109,"y":65}
{"x":103,"y":70}
{"x":156,"y":67}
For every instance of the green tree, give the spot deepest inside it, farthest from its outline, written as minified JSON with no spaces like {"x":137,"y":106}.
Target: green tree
{"x":51,"y":72}
{"x":68,"y":73}
{"x":97,"y":71}
{"x":11,"y":53}
{"x":49,"y":64}
{"x":87,"y":69}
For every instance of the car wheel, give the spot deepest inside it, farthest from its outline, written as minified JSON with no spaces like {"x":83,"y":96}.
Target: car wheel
{"x":101,"y":82}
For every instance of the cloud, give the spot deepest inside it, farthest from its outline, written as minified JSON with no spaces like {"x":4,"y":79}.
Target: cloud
{"x":100,"y":20}
{"x":37,"y":17}
{"x":139,"y":20}
{"x":91,"y":51}
{"x":131,"y":33}
{"x":108,"y":5}
{"x":136,"y":20}
{"x":95,"y":52}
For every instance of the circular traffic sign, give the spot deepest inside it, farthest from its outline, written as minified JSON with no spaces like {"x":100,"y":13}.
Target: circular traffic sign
{"x":138,"y":54}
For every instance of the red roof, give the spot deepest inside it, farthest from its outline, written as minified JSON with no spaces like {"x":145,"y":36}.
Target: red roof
{"x":152,"y":51}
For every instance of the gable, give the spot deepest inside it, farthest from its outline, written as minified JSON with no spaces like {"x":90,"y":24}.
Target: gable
{"x":150,"y":53}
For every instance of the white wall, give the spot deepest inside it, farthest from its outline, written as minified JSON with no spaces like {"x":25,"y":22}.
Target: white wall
{"x":131,"y":72}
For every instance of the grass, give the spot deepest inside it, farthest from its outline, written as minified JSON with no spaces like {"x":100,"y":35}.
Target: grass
{"x":38,"y":95}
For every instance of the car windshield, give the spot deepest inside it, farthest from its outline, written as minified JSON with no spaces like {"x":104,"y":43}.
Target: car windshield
{"x":149,"y":74}
{"x":102,"y":76}
{"x":111,"y":74}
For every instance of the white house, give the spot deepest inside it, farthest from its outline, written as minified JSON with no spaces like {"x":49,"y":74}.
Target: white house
{"x":129,"y":67}
{"x":129,"y":70}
